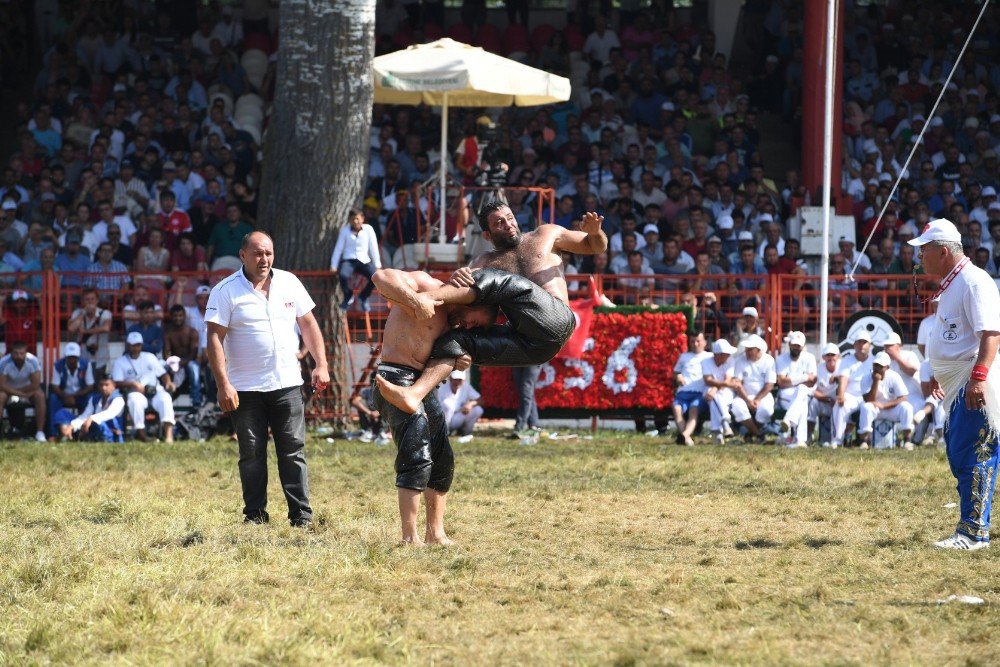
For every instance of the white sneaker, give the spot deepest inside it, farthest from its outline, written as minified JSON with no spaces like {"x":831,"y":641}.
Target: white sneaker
{"x":652,"y":433}
{"x":908,"y":446}
{"x":796,"y":445}
{"x":863,"y":445}
{"x":727,"y":430}
{"x":826,"y":444}
{"x":381,"y":441}
{"x":39,"y":436}
{"x":927,"y":442}
{"x":366,"y":436}
{"x":834,"y":444}
{"x":464,"y":438}
{"x":719,"y":438}
{"x":961,"y":542}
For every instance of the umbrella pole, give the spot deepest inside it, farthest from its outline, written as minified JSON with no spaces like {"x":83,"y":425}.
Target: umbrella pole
{"x":444,"y":165}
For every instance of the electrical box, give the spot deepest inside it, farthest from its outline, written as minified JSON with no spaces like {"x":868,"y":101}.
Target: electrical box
{"x":810,"y":223}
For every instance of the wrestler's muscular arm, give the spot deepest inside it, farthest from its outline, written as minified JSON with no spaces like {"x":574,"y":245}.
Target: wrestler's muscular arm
{"x":408,"y":290}
{"x":590,"y":240}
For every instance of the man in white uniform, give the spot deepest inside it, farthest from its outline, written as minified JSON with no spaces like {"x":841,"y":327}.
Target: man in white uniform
{"x":885,"y":399}
{"x":852,"y":374}
{"x":824,"y":396}
{"x":690,"y":384}
{"x":756,"y":374}
{"x":796,"y":371}
{"x":962,"y":346}
{"x":933,"y":412}
{"x":140,"y":375}
{"x":907,"y":364}
{"x":460,"y":403}
{"x":717,"y":373}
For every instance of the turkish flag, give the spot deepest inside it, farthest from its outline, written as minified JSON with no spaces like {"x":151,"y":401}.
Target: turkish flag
{"x":583,"y":310}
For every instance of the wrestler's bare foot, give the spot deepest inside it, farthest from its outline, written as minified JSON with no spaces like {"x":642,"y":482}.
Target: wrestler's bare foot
{"x":411,"y":542}
{"x":442,"y":540}
{"x":402,"y":397}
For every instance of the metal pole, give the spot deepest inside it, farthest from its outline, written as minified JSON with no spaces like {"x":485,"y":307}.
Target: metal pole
{"x":824,"y":291}
{"x":443,"y":201}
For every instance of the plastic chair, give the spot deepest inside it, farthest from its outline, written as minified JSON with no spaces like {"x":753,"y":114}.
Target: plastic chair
{"x":461,"y":33}
{"x":541,"y":35}
{"x":516,"y":39}
{"x":488,"y":37}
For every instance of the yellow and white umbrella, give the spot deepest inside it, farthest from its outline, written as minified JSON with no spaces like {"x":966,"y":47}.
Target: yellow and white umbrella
{"x":448,"y":73}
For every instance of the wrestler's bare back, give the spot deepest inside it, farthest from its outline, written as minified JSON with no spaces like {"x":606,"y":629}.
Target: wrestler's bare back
{"x":408,"y":341}
{"x":534,"y":258}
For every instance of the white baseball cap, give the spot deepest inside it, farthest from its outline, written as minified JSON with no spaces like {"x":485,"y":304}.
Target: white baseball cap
{"x":881,"y":359}
{"x":203,"y":289}
{"x":750,"y":310}
{"x":745,"y":236}
{"x":755,"y":341}
{"x":134,"y":338}
{"x":796,"y":338}
{"x":989,"y":191}
{"x":765,"y":217}
{"x":830,"y":348}
{"x":722,"y":346}
{"x":862,"y":335}
{"x":892,"y":339}
{"x":457,"y":375}
{"x":650,"y":229}
{"x":71,"y":350}
{"x":937,"y":230}
{"x":724,"y":222}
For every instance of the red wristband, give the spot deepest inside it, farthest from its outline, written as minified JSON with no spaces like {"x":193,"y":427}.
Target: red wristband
{"x":979,"y":372}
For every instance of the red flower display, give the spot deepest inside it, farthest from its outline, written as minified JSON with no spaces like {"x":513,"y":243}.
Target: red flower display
{"x":628,"y":364}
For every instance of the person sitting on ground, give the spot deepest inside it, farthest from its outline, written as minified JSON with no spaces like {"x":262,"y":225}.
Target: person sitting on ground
{"x":369,"y":418}
{"x":717,"y":373}
{"x":72,"y":383}
{"x":932,"y":414}
{"x":21,"y":381}
{"x":460,"y":402}
{"x":690,"y":383}
{"x":884,"y":397}
{"x":181,"y":340}
{"x":824,"y":395}
{"x":755,"y":370}
{"x":144,"y":380}
{"x":796,"y":371}
{"x":103,"y":417}
{"x":849,"y":394}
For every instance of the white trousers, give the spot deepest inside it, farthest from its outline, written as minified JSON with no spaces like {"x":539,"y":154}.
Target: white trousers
{"x":937,"y":414}
{"x":137,"y":404}
{"x":841,"y":413}
{"x":464,"y":423}
{"x":796,"y":408}
{"x":902,"y":414}
{"x":719,"y":407}
{"x":741,"y":411}
{"x":819,"y":409}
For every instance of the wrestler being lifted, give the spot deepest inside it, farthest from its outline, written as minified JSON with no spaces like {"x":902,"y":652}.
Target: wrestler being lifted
{"x":524,"y":277}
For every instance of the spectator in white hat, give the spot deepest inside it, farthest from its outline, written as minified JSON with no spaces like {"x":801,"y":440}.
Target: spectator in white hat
{"x":853,"y":373}
{"x":907,"y":364}
{"x":717,"y":373}
{"x":748,"y":325}
{"x":755,"y":370}
{"x":690,"y":387}
{"x":824,"y":396}
{"x":884,"y":397}
{"x":460,"y":402}
{"x":145,"y":381}
{"x":852,"y":255}
{"x":72,"y":383}
{"x":796,"y":373}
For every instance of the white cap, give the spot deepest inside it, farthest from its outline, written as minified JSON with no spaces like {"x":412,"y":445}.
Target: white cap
{"x":994,"y":206}
{"x":869,"y":146}
{"x":173,"y":362}
{"x":8,"y":205}
{"x":881,"y":359}
{"x":71,"y":350}
{"x":765,"y":217}
{"x":745,"y":236}
{"x":892,"y":339}
{"x":19,"y":294}
{"x":936,"y":121}
{"x":724,"y":222}
{"x":203,"y":289}
{"x":650,"y":229}
{"x":796,"y":338}
{"x":937,"y":230}
{"x":457,"y":375}
{"x":668,"y":106}
{"x":755,"y":341}
{"x":722,"y":346}
{"x":134,"y":338}
{"x":844,"y":239}
{"x":989,"y":191}
{"x":750,"y":310}
{"x":862,"y":335}
{"x":830,"y":348}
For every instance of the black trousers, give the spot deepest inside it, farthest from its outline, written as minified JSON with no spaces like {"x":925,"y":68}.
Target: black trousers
{"x":538,"y":324}
{"x":283,"y":412}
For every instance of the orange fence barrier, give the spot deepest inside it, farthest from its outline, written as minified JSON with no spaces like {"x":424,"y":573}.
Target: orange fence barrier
{"x":785,"y":303}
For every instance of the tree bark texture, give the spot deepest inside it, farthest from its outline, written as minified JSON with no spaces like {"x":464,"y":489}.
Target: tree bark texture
{"x":316,"y":156}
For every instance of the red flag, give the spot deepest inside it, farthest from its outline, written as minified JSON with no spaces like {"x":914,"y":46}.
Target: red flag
{"x":583,"y":310}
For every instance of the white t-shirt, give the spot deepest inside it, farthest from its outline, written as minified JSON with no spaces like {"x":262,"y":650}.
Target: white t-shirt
{"x":756,"y":374}
{"x":689,"y":366}
{"x":797,"y":370}
{"x":146,"y":369}
{"x":912,"y":382}
{"x":261,"y":343}
{"x":599,"y":47}
{"x":719,"y":373}
{"x":451,"y":403}
{"x":889,"y":389}
{"x":826,"y":380}
{"x":924,"y":330}
{"x":19,"y":378}
{"x":196,"y":320}
{"x":926,"y":373}
{"x":969,"y":306}
{"x":856,"y":372}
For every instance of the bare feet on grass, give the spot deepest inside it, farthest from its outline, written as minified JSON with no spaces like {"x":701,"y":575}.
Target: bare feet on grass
{"x":442,"y":540}
{"x":402,"y":397}
{"x":408,"y":541}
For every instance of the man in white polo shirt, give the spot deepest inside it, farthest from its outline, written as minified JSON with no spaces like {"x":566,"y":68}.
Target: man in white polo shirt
{"x":754,"y":404}
{"x":796,"y":371}
{"x":144,"y":380}
{"x":252,"y":346}
{"x":849,"y":395}
{"x":356,"y":252}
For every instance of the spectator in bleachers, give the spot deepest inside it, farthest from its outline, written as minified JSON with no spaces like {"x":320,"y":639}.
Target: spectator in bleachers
{"x":102,"y":418}
{"x":35,"y":270}
{"x":149,"y":328}
{"x":106,"y":274}
{"x":174,"y":219}
{"x":91,"y":325}
{"x":182,"y":341}
{"x":226,"y":239}
{"x":20,"y":319}
{"x":356,"y":251}
{"x":21,"y":382}
{"x":145,"y":381}
{"x":153,"y":257}
{"x":72,"y":383}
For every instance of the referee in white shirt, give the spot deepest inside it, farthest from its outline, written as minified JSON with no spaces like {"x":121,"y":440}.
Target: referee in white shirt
{"x":251,"y":318}
{"x":356,"y":252}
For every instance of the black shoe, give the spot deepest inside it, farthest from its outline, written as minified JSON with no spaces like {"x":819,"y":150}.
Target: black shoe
{"x":301,"y":522}
{"x":258,"y":518}
{"x":514,"y":435}
{"x":679,"y":439}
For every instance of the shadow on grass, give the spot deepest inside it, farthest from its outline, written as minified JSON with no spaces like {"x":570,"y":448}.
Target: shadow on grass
{"x":760,"y":543}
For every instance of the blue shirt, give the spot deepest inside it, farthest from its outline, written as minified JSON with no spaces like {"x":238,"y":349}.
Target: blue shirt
{"x":78,"y":265}
{"x":152,"y":338}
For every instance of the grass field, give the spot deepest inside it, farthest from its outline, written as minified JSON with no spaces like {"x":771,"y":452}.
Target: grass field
{"x":619,"y":550}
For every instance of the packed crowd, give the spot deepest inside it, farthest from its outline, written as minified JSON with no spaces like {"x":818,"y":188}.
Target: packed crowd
{"x":137,"y":154}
